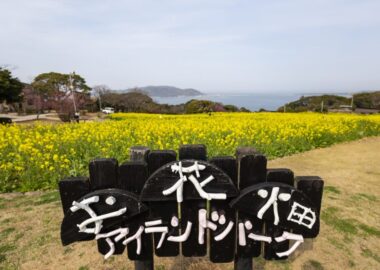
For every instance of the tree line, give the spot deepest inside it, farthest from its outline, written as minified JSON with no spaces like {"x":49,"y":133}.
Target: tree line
{"x":64,"y":93}
{"x":364,"y":100}
{"x":69,"y":93}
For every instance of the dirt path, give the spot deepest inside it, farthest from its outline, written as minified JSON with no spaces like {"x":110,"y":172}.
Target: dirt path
{"x":350,"y":226}
{"x":48,"y":117}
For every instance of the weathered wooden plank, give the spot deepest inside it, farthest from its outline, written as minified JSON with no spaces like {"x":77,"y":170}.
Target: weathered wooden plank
{"x":190,"y":209}
{"x":72,"y":189}
{"x":284,"y":176}
{"x":223,"y":250}
{"x":138,"y":153}
{"x":134,"y":181}
{"x":103,"y":173}
{"x":251,"y":170}
{"x":193,"y":151}
{"x":248,"y":169}
{"x":158,"y":158}
{"x":312,"y":187}
{"x":189,"y":212}
{"x":132,"y":176}
{"x":164,"y":210}
{"x":229,"y":165}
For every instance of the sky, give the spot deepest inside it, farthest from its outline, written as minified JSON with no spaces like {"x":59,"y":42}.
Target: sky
{"x":209,"y":45}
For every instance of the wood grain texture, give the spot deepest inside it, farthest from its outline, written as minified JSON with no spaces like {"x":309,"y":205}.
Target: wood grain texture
{"x":284,"y":176}
{"x":71,"y":189}
{"x":164,"y":210}
{"x":190,"y":208}
{"x":103,"y":173}
{"x":138,"y":185}
{"x":312,"y":187}
{"x":224,"y":250}
{"x":252,"y":170}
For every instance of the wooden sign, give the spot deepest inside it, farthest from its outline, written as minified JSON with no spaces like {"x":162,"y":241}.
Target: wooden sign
{"x":156,"y":204}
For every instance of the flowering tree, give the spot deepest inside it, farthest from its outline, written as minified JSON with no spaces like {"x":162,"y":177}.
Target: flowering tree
{"x":64,"y":91}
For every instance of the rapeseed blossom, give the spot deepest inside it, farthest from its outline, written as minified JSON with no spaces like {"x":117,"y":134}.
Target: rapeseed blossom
{"x":37,"y":156}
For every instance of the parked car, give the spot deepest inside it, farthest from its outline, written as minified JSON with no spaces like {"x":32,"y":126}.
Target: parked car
{"x":108,"y":110}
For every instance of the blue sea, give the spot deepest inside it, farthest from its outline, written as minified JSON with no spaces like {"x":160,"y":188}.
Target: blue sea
{"x":251,"y":101}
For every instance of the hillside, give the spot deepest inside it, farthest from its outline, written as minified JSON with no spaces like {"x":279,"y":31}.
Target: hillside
{"x":166,"y":91}
{"x":368,"y":100}
{"x":140,"y":101}
{"x":364,"y":100}
{"x":313,"y":103}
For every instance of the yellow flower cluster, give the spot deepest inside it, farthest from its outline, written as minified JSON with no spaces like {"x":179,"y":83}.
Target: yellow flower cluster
{"x":37,"y":156}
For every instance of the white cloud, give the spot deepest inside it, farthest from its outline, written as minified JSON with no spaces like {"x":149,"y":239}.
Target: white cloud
{"x":205,"y":44}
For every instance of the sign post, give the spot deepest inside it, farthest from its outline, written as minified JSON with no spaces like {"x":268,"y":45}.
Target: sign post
{"x":156,"y":204}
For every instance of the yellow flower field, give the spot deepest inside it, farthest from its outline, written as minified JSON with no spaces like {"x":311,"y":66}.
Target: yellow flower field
{"x":37,"y":156}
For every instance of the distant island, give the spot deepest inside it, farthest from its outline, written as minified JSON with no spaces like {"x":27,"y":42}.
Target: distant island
{"x":165,"y":91}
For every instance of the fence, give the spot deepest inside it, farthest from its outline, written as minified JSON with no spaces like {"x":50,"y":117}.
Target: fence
{"x":232,"y":208}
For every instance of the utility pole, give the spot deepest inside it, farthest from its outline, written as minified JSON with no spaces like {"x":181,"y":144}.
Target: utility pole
{"x":322,"y":106}
{"x":100,"y":101}
{"x":352,"y":102}
{"x":71,"y":80}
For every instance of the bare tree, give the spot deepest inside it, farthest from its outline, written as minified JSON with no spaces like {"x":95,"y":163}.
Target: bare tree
{"x":98,"y":91}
